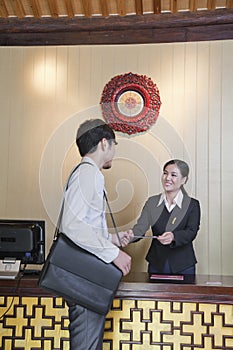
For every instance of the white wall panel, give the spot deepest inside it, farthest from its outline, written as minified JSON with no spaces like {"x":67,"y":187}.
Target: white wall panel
{"x":45,"y":92}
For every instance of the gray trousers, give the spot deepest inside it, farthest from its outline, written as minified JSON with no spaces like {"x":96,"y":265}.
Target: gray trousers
{"x":86,"y":328}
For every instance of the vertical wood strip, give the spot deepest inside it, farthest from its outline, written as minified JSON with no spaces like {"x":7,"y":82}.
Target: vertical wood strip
{"x":104,"y":8}
{"x":3,"y":9}
{"x":19,"y":9}
{"x":174,"y":6}
{"x":69,"y":8}
{"x":229,"y":4}
{"x":53,"y":8}
{"x":87,"y":7}
{"x":36,"y":8}
{"x":121,"y":7}
{"x":211,"y":4}
{"x":193,"y":5}
{"x":139,"y":7}
{"x":157,"y":6}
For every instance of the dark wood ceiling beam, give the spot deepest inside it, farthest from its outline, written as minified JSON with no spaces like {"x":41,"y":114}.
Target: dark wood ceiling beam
{"x":165,"y":20}
{"x":139,"y":7}
{"x":104,"y":8}
{"x":180,"y":27}
{"x":3,"y":9}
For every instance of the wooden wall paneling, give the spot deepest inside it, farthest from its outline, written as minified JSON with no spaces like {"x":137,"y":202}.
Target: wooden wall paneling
{"x":51,"y":116}
{"x":32,"y":139}
{"x":132,"y":58}
{"x":63,"y":77}
{"x":35,"y":101}
{"x":38,"y":117}
{"x":214,"y":161}
{"x":189,"y":115}
{"x":119,"y":60}
{"x":107,"y":65}
{"x":84,"y":76}
{"x":96,"y":67}
{"x":5,"y":104}
{"x":61,"y":74}
{"x":166,"y":79}
{"x":50,"y":72}
{"x":202,"y":154}
{"x":154,"y":63}
{"x":73,"y":82}
{"x":227,"y":158}
{"x":17,"y":186}
{"x":177,"y":103}
{"x":148,"y":61}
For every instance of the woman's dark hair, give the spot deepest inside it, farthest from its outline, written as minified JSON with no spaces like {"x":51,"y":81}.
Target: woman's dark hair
{"x":90,"y":133}
{"x":182,"y":166}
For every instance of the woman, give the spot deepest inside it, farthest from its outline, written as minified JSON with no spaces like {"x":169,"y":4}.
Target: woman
{"x":174,"y":218}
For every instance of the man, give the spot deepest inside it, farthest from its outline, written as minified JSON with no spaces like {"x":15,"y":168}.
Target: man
{"x":84,"y":222}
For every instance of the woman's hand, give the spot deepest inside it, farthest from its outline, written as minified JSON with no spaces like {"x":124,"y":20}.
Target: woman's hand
{"x":166,"y":238}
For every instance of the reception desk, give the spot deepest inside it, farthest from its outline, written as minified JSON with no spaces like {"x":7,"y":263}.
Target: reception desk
{"x":171,"y":315}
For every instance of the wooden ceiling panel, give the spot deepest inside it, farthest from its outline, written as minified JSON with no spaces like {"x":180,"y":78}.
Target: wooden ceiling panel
{"x":121,"y":7}
{"x":3,"y":10}
{"x":104,"y":8}
{"x":69,"y":8}
{"x":77,"y":7}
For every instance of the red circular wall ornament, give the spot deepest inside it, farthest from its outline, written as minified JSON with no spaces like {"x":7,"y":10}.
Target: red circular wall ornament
{"x":130,"y":103}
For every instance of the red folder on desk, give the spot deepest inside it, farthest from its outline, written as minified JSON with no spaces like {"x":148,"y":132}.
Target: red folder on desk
{"x":167,"y":277}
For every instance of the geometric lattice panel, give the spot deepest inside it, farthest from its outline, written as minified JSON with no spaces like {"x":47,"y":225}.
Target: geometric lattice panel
{"x":164,"y":325}
{"x":42,"y":323}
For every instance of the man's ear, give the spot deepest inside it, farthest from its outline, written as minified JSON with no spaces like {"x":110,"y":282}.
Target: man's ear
{"x":103,"y":144}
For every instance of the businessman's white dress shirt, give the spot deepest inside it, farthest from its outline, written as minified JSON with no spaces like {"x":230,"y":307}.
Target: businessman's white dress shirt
{"x":83,"y":219}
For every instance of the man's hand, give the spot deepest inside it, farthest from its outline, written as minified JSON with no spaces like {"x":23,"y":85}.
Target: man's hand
{"x":125,"y":237}
{"x":123,"y":262}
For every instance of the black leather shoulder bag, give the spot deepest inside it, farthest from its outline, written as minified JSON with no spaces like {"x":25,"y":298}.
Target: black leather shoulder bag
{"x":78,"y":275}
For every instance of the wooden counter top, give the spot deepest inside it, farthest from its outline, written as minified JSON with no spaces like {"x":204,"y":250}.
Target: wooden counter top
{"x":204,"y":288}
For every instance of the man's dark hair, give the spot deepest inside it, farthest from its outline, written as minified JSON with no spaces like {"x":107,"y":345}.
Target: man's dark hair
{"x":90,"y":133}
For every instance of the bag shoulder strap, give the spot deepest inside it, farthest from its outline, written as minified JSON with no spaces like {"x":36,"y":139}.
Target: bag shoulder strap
{"x":62,"y":208}
{"x":63,"y":201}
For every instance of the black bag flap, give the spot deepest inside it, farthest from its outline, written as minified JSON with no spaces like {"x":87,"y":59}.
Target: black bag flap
{"x":78,"y":262}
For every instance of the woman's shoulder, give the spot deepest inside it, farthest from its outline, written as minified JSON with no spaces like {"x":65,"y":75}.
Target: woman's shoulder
{"x":193,"y":201}
{"x":153,"y":200}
